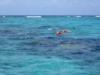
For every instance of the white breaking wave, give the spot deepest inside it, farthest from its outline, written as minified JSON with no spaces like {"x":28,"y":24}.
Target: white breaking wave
{"x":3,"y":16}
{"x":97,"y":16}
{"x":34,"y":16}
{"x":78,"y":16}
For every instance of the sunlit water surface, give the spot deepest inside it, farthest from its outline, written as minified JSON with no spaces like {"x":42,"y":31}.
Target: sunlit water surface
{"x":30,"y":46}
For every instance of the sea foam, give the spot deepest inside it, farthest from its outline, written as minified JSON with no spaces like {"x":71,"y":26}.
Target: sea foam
{"x":97,"y":16}
{"x":33,"y":16}
{"x":78,"y":16}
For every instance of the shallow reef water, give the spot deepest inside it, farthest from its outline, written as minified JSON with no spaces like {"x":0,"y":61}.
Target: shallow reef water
{"x":30,"y":46}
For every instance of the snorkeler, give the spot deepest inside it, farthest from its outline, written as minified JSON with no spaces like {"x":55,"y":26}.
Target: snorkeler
{"x":58,"y":33}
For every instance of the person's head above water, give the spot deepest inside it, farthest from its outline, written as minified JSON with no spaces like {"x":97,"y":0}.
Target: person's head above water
{"x":61,"y":32}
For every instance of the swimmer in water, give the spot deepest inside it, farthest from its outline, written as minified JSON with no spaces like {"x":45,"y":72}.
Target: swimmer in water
{"x":59,"y":33}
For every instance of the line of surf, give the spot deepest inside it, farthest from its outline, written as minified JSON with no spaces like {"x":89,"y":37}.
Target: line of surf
{"x":33,"y":16}
{"x":78,"y":16}
{"x":97,"y":16}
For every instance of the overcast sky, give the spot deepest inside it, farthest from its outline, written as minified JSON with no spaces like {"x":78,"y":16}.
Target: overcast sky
{"x":49,"y":7}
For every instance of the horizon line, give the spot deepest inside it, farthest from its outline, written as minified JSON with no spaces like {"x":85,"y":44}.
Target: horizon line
{"x":49,"y":15}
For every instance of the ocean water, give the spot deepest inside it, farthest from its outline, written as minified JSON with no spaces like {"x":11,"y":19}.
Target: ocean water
{"x":30,"y":46}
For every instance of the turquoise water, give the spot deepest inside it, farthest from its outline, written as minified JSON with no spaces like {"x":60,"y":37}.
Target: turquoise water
{"x":30,"y":46}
